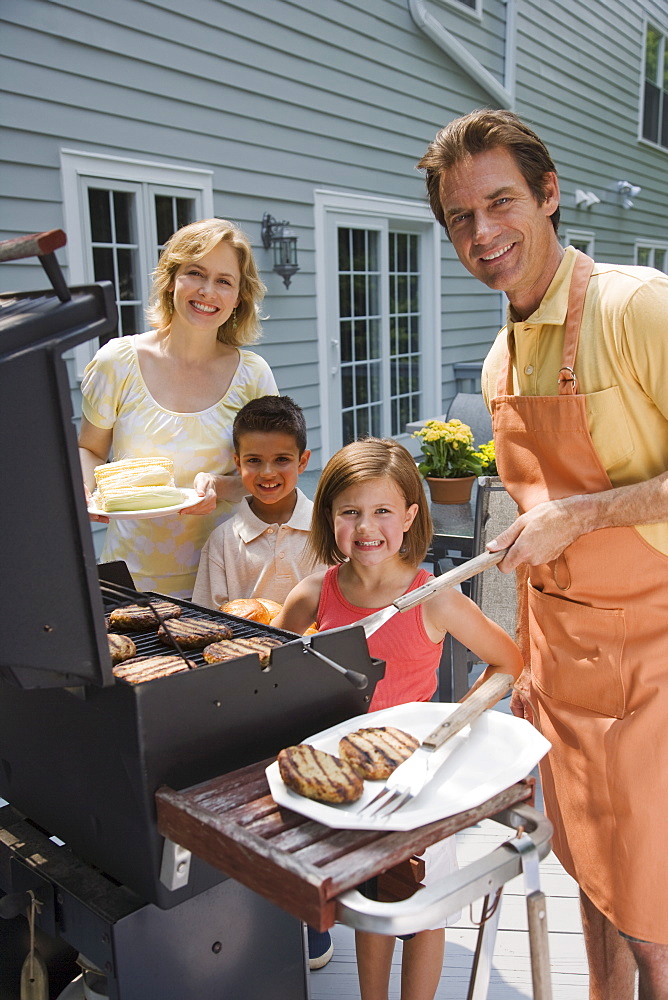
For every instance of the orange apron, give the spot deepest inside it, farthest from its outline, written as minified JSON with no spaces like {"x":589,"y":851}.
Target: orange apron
{"x":598,"y":632}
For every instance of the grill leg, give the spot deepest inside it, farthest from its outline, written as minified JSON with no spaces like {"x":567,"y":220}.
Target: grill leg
{"x":484,"y":951}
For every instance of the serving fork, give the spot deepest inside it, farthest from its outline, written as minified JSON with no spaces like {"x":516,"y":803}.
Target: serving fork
{"x":408,"y":780}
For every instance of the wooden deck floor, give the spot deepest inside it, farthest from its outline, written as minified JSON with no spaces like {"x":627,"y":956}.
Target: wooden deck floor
{"x":511,"y":971}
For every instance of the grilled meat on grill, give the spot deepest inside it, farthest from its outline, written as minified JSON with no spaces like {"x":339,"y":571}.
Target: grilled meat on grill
{"x":319,"y":775}
{"x":147,"y":668}
{"x":375,"y":753}
{"x":121,"y":647}
{"x":193,"y":633}
{"x":230,"y":649}
{"x":135,"y":616}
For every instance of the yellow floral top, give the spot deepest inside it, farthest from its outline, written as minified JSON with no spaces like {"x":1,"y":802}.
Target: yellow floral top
{"x":162,"y":554}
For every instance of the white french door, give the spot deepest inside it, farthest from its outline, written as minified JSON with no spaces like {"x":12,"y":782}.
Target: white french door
{"x":380,"y":337}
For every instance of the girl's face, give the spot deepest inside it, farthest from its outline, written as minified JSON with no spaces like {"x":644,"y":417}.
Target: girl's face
{"x":369,"y":520}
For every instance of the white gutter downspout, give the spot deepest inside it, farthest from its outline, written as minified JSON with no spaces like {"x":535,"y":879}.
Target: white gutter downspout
{"x":503,"y":95}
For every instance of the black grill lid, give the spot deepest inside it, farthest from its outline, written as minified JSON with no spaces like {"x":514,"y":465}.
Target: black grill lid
{"x":51,"y":615}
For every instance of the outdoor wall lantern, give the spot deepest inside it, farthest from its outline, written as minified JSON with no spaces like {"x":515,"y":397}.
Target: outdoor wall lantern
{"x":283,"y":241}
{"x":586,"y":199}
{"x":627,"y":192}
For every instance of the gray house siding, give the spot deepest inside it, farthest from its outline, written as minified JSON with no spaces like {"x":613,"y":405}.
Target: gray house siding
{"x":584,"y":98}
{"x":279,"y":98}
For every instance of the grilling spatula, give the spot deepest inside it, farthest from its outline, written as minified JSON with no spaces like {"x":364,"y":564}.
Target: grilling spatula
{"x":407,"y":780}
{"x":470,"y":568}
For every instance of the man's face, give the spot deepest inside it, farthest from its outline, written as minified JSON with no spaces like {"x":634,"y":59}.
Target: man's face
{"x":500,"y":232}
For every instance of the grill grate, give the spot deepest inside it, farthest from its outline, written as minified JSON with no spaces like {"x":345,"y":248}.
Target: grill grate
{"x":147,"y":641}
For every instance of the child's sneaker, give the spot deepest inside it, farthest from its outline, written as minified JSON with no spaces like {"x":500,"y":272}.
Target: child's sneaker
{"x":320,"y":948}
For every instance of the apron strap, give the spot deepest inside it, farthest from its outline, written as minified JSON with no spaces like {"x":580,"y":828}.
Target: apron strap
{"x":584,"y":265}
{"x":582,"y":270}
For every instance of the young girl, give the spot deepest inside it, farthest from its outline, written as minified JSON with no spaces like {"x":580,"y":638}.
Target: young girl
{"x":371,"y":521}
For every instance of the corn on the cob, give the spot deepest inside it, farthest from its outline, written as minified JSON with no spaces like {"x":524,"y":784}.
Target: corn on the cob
{"x":137,"y":498}
{"x":126,"y":471}
{"x":136,"y":484}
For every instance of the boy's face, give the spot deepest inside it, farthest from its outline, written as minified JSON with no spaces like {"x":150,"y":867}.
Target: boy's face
{"x":270,"y":464}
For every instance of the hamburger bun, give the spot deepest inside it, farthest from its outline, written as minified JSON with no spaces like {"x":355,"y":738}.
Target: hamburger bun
{"x":273,"y":607}
{"x":249,"y":608}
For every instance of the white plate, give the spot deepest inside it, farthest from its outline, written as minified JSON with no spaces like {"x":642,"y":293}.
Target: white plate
{"x":485,"y":758}
{"x":190,"y":498}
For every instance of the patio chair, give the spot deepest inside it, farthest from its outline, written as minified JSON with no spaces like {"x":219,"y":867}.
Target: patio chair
{"x":494,"y":592}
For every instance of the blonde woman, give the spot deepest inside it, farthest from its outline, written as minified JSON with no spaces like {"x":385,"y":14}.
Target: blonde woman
{"x":174,"y":391}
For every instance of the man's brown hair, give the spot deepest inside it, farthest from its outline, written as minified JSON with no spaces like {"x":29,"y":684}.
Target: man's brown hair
{"x":479,"y":132}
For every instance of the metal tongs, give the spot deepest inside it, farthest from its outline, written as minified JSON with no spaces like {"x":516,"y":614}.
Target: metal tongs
{"x":373,"y":622}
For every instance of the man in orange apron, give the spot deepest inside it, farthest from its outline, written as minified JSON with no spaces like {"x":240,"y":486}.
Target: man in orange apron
{"x":576,"y":382}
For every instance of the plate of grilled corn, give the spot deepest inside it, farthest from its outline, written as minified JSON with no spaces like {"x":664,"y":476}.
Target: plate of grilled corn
{"x":139,"y":487}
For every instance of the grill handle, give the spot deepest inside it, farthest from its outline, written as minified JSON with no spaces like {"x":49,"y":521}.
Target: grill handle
{"x":360,"y":681}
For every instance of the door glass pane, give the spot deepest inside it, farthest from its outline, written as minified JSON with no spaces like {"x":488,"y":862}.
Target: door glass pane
{"x":171,"y":213}
{"x":123,"y":217}
{"x":100,"y":215}
{"x":103,"y":264}
{"x":405,"y":382}
{"x":381,"y":348}
{"x":115,"y":251}
{"x":344,"y":249}
{"x":163,"y":217}
{"x":126,"y":272}
{"x":346,"y":341}
{"x":359,"y":281}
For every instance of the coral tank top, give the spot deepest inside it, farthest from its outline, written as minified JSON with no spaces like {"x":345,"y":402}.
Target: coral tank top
{"x":411,"y":657}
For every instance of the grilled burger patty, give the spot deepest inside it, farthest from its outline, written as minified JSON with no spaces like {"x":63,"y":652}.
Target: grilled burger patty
{"x":231,"y":649}
{"x":193,"y":633}
{"x":319,"y":775}
{"x":147,"y":668}
{"x":121,"y":647}
{"x":135,"y":616}
{"x":375,"y":753}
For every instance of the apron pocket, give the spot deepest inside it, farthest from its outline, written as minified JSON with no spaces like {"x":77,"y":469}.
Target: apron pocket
{"x":577,"y":653}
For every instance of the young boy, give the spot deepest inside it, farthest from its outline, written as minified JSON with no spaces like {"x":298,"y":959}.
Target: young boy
{"x":259,"y":551}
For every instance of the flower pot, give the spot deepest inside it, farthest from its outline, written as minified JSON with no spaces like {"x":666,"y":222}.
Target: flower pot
{"x":456,"y":490}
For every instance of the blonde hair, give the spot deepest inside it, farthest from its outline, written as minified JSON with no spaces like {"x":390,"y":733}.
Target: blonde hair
{"x":360,"y":462}
{"x":189,"y":244}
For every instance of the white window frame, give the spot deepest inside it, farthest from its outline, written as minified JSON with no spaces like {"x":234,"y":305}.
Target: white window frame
{"x":461,"y":8}
{"x":663,"y":28}
{"x":582,"y":236}
{"x":413,"y":216}
{"x":145,"y":179}
{"x":650,"y":245}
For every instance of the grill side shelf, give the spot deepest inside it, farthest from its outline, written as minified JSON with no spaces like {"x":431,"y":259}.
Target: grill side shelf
{"x":233,"y":823}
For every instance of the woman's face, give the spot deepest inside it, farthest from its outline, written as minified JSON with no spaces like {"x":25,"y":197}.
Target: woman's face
{"x":206,"y":290}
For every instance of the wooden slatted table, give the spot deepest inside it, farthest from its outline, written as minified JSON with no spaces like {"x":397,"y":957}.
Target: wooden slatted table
{"x":233,"y":823}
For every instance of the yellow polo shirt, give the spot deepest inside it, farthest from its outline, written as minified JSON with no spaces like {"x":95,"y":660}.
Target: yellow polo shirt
{"x":621,"y":366}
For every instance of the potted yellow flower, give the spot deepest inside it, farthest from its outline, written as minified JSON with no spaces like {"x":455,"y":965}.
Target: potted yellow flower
{"x":450,"y":463}
{"x":489,"y":458}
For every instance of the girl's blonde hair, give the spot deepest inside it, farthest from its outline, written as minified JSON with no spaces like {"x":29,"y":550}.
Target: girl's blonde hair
{"x":360,"y":462}
{"x":189,"y":244}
